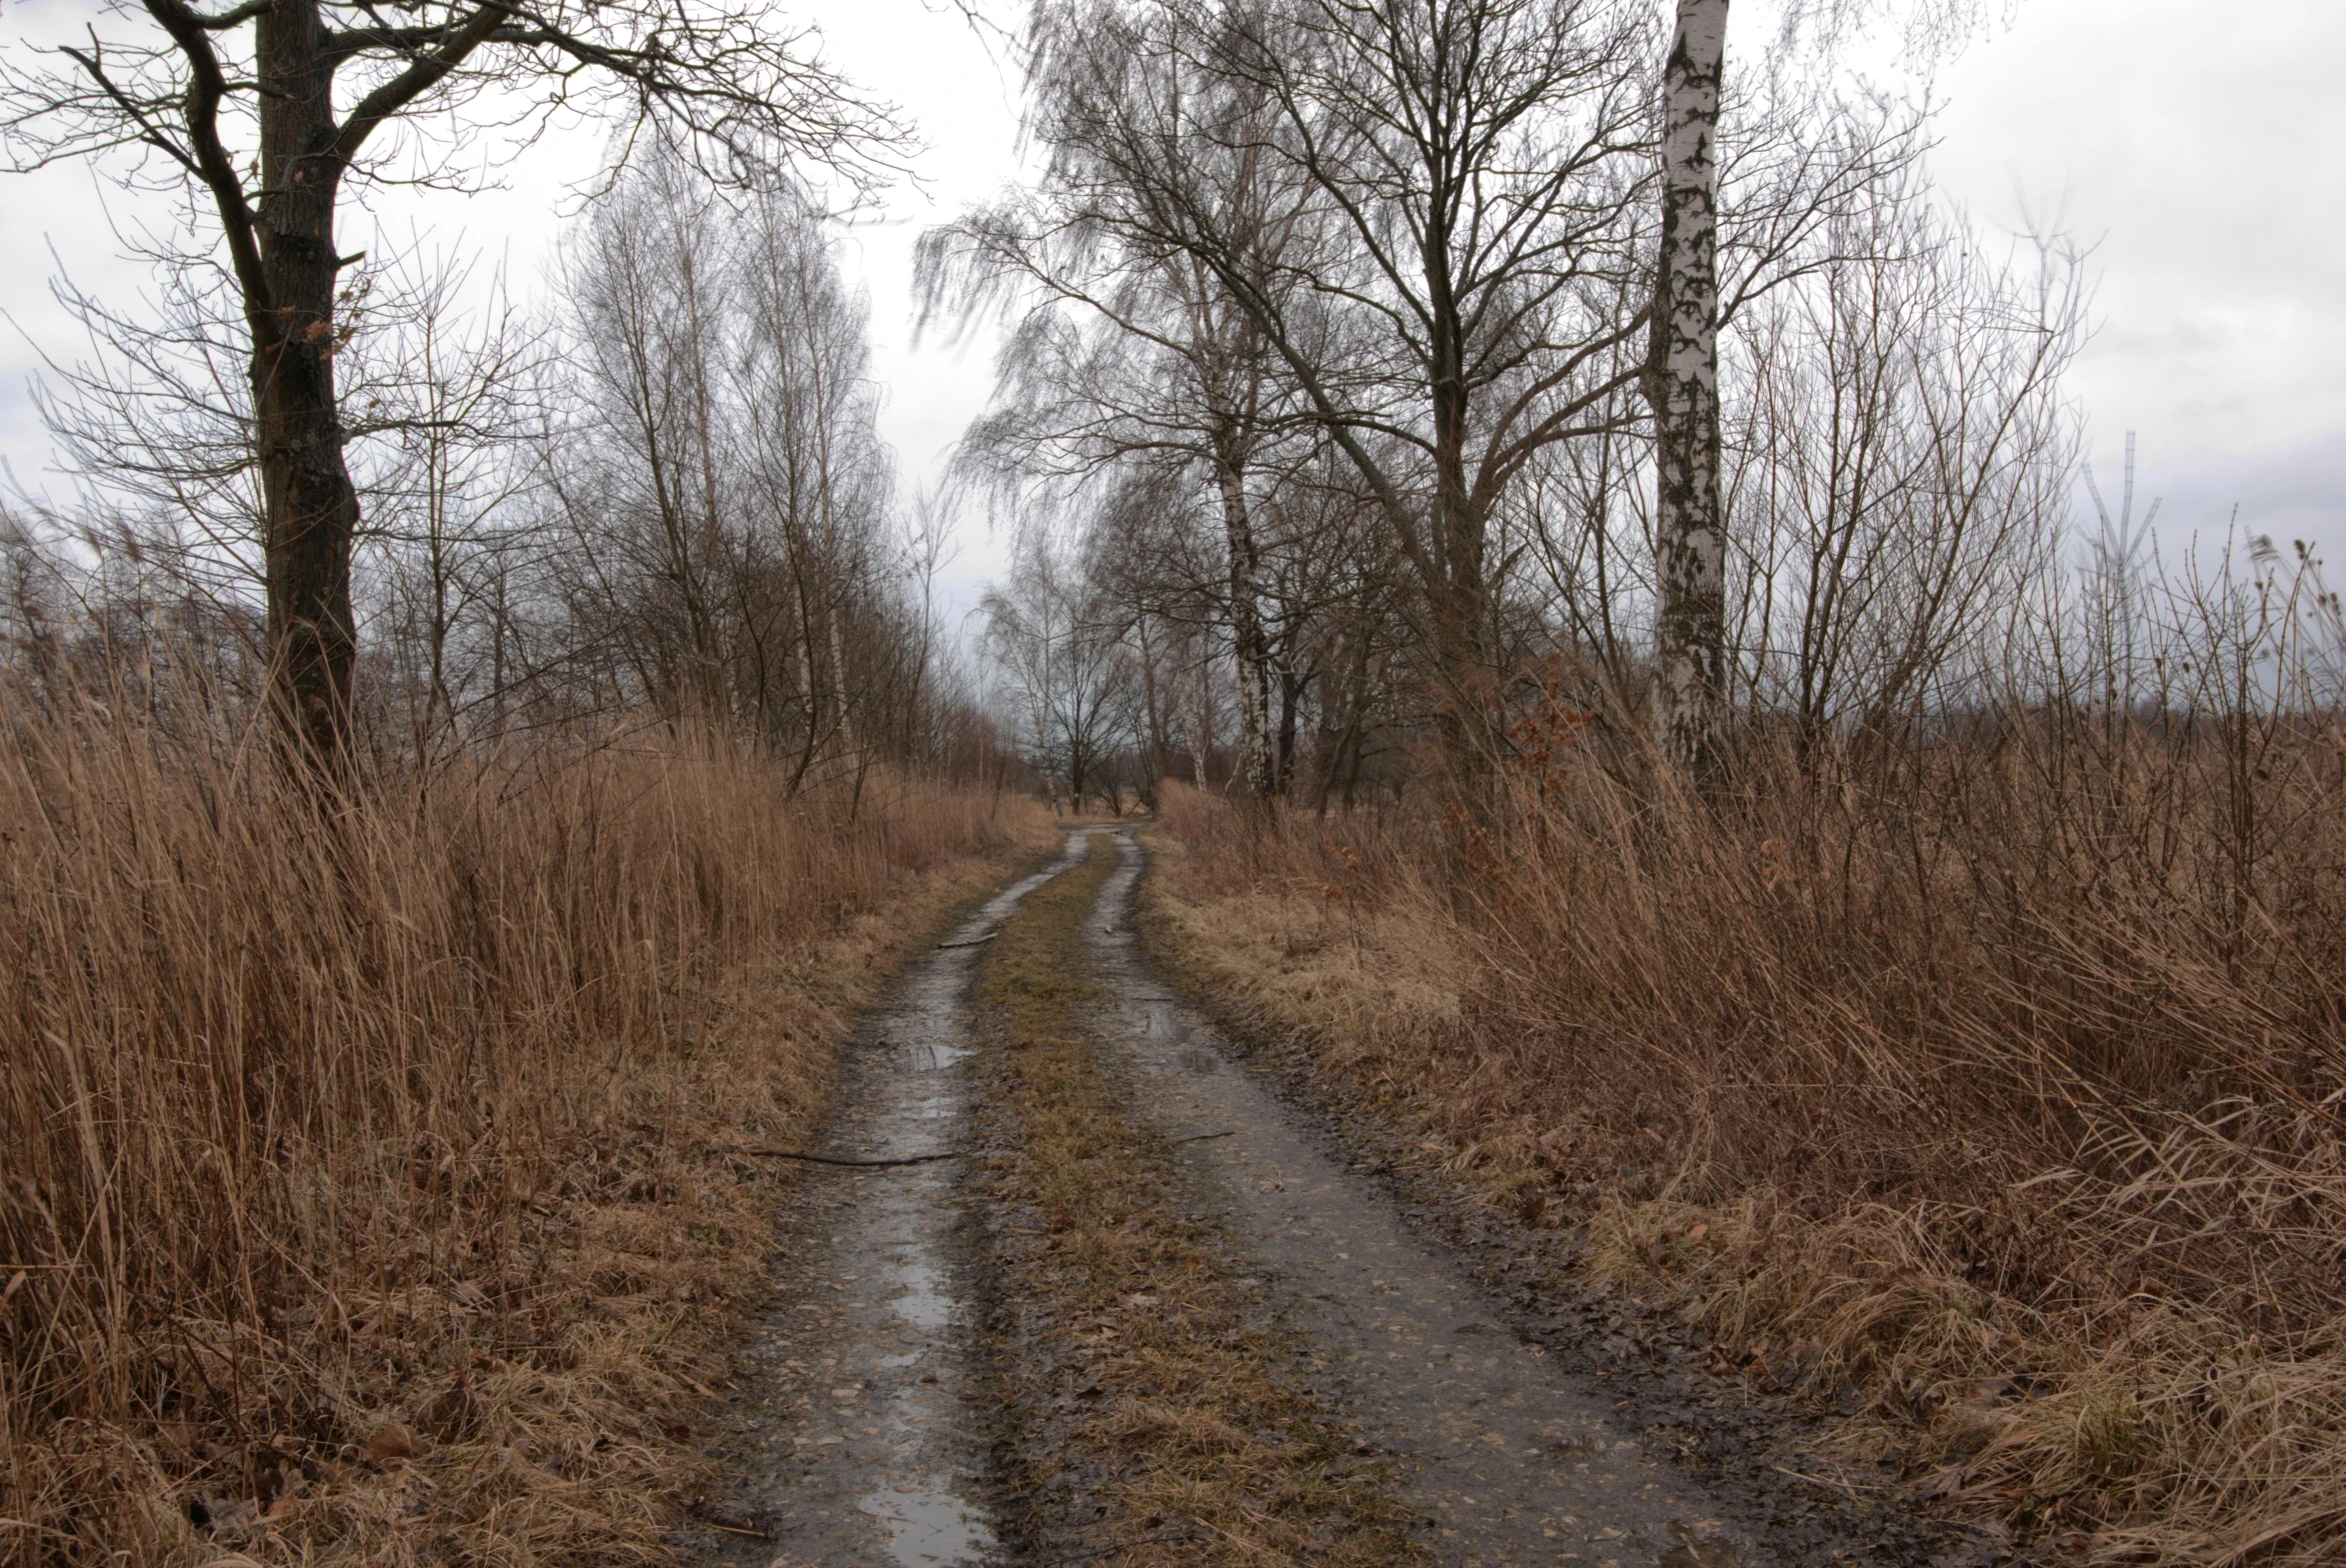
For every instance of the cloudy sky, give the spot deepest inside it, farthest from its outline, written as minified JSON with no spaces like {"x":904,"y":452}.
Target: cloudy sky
{"x":2198,"y":150}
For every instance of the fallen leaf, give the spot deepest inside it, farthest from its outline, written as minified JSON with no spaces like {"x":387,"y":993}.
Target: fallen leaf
{"x":393,"y":1441}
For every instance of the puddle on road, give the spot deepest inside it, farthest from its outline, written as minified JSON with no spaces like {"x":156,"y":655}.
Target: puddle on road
{"x":931,"y":1528}
{"x":1166,"y":1024}
{"x":923,"y":1302}
{"x":1697,"y":1550}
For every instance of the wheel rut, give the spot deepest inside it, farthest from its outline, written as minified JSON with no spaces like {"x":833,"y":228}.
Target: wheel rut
{"x":852,"y":1440}
{"x":1506,"y":1458}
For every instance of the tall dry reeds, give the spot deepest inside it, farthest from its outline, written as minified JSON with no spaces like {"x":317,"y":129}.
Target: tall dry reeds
{"x":361,"y":1184}
{"x":2000,"y":1072}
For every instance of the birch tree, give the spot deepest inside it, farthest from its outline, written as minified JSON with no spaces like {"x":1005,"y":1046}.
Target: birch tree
{"x":1681,"y":380}
{"x":726,"y":503}
{"x":1682,"y":385}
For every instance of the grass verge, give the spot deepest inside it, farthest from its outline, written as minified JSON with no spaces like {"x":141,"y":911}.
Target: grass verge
{"x":1151,"y":1412}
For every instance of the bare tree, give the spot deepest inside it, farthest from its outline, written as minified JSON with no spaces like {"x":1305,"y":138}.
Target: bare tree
{"x":237,"y":110}
{"x":443,"y":537}
{"x":1682,"y":379}
{"x":646,"y":474}
{"x":1468,"y":168}
{"x":1128,"y":351}
{"x":730,"y":547}
{"x":2118,"y":556}
{"x":1904,"y":456}
{"x":1057,"y":649}
{"x":819,"y":475}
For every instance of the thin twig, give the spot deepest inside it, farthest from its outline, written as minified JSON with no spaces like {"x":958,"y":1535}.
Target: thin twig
{"x":1199,"y":1138}
{"x":733,"y":1529}
{"x":1240,"y":1541}
{"x":1851,"y":1487}
{"x":974,"y":941}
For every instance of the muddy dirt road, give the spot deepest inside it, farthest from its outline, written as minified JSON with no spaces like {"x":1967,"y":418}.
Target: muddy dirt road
{"x":854,"y":1442}
{"x":867,"y":1433}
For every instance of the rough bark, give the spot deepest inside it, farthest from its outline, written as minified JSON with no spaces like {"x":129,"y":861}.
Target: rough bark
{"x":309,"y":506}
{"x":1458,"y":591}
{"x":1682,"y":385}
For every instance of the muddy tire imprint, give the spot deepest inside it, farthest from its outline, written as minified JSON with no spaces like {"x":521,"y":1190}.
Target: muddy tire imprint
{"x":1151,"y":1412}
{"x":852,"y":1442}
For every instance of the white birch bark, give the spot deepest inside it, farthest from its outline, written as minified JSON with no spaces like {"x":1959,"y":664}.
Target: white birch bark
{"x":1201,"y":723}
{"x":1682,"y":385}
{"x":1248,"y":638}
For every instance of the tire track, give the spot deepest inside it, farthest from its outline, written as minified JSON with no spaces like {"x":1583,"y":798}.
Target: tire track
{"x":852,"y":1443}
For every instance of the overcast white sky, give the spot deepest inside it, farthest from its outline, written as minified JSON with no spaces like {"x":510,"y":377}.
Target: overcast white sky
{"x":2197,"y":148}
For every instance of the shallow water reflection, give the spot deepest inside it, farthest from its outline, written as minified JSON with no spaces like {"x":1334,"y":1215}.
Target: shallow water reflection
{"x":928,"y":1528}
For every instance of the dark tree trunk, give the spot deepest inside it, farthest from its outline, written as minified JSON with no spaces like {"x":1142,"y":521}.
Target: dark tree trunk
{"x":1456,"y":593}
{"x":310,"y":507}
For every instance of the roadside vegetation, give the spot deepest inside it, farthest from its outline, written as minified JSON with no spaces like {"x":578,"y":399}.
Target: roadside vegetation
{"x":459,"y":766}
{"x":2004,"y":1089}
{"x":1576,"y":540}
{"x":1607,"y":551}
{"x":1152,"y":1414}
{"x":367,"y":1197}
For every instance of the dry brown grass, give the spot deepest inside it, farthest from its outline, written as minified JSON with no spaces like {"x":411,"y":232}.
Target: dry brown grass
{"x":362,"y":1197}
{"x":2008,"y":1086}
{"x":1193,"y":1444}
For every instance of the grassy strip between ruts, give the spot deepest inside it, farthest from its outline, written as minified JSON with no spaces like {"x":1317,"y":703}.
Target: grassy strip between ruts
{"x":1146,"y":1400}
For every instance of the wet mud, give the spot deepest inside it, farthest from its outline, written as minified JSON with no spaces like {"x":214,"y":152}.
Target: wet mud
{"x":1508,"y":1459}
{"x":851,"y":1439}
{"x":1769,"y":1450}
